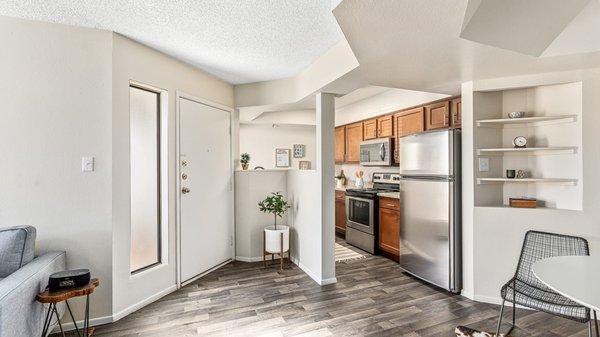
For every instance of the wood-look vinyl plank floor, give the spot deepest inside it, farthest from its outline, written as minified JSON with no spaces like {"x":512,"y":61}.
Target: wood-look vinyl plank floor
{"x":372,"y":298}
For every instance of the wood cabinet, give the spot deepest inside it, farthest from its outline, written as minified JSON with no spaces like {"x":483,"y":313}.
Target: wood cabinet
{"x":385,"y":126}
{"x":354,"y":135}
{"x":389,"y":226}
{"x":437,"y":115}
{"x":455,"y":108}
{"x":407,"y":123}
{"x":340,"y":212}
{"x":370,"y":129}
{"x":340,"y":144}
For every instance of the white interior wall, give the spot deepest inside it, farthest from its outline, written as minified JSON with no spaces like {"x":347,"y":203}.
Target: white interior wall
{"x":261,"y":140}
{"x":56,"y":93}
{"x":133,"y":61}
{"x":495,"y":234}
{"x":251,"y":187}
{"x":304,"y":218}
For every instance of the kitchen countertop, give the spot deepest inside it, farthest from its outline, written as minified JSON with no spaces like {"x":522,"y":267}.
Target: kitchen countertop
{"x":395,"y":195}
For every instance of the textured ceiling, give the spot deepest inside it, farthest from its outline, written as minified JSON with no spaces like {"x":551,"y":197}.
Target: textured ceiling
{"x":238,"y":41}
{"x":418,"y":45}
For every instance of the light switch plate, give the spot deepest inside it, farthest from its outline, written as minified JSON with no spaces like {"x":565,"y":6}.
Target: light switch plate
{"x":87,"y":164}
{"x":484,"y":164}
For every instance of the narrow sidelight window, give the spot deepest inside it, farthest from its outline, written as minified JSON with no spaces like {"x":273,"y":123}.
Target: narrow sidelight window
{"x":144,"y":117}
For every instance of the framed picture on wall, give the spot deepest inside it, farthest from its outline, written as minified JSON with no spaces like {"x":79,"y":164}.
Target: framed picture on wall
{"x":304,"y":165}
{"x":282,"y":157}
{"x":299,"y":151}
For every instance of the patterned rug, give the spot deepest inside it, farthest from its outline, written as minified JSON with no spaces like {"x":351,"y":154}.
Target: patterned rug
{"x":343,"y":254}
{"x":463,"y":331}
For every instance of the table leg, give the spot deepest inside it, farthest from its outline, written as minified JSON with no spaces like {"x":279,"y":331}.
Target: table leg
{"x":47,"y":320}
{"x":72,"y":318}
{"x":59,"y":323}
{"x":87,"y":316}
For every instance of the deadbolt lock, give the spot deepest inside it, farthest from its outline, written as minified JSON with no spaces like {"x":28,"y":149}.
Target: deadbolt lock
{"x":185,"y":190}
{"x":183,"y":176}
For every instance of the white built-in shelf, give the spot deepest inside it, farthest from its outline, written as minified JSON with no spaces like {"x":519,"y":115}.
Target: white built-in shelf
{"x":529,"y":151}
{"x":526,"y":121}
{"x":527,"y":181}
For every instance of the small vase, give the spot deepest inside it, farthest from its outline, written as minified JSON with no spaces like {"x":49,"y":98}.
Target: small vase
{"x":245,"y":166}
{"x":339,"y":183}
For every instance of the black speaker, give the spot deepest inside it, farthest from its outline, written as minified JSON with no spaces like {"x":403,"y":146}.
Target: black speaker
{"x":69,"y":279}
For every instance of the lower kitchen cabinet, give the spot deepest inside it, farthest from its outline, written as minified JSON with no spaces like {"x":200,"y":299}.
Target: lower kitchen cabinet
{"x":340,"y":212}
{"x":389,"y":227}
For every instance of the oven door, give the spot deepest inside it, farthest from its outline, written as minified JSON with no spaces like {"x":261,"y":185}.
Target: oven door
{"x":360,"y":214}
{"x":376,"y":152}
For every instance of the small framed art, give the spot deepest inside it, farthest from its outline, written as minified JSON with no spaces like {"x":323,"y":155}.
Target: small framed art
{"x":282,"y":157}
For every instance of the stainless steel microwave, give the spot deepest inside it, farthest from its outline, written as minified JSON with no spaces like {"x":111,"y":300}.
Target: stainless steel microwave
{"x":376,"y":152}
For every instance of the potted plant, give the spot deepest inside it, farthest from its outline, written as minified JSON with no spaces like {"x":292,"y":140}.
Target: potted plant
{"x":340,"y":180}
{"x":244,"y":160}
{"x":277,"y":205}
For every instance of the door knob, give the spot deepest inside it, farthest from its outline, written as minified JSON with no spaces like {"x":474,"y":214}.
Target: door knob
{"x":185,"y":190}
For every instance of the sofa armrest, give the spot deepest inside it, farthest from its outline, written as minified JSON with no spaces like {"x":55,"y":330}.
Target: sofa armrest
{"x":20,"y":313}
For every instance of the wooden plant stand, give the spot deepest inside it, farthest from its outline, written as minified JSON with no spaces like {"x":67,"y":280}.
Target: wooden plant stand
{"x":54,"y":297}
{"x":281,"y":252}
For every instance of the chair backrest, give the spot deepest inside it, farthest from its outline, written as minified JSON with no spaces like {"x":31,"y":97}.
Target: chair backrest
{"x":541,"y":245}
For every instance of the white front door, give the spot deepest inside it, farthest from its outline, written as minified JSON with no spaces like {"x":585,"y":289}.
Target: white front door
{"x":206,"y":220}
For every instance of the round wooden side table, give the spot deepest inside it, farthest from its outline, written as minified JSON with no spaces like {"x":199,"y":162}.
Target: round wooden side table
{"x":54,"y":297}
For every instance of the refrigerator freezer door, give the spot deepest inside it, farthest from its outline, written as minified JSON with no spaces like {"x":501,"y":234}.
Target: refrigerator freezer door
{"x":425,"y":224}
{"x":427,"y":154}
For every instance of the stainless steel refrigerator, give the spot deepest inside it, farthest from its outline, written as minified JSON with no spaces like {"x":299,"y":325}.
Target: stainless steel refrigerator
{"x":430,"y":208}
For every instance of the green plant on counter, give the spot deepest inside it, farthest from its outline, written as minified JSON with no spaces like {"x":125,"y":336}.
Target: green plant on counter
{"x":245,"y":158}
{"x":274,"y":204}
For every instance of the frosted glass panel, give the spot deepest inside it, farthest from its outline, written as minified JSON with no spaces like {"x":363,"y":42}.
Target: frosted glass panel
{"x":144,"y":113}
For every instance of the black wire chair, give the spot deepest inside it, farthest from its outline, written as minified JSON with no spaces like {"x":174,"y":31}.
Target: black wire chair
{"x":526,"y":290}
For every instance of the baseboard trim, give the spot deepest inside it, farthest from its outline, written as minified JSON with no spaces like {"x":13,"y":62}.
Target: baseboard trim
{"x":68,"y":324}
{"x":143,"y":302}
{"x":249,"y":259}
{"x":327,"y":281}
{"x":310,"y":273}
{"x":495,"y":300}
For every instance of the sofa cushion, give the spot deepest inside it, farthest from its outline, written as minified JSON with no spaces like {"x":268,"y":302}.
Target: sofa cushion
{"x":17,"y":246}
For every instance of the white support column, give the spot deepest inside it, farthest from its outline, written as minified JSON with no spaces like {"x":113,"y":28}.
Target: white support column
{"x":325,"y":125}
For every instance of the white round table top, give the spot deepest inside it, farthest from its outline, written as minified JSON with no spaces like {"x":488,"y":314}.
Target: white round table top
{"x":575,"y":277}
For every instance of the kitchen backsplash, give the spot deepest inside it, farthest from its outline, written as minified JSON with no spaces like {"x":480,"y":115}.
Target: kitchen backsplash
{"x":350,"y":169}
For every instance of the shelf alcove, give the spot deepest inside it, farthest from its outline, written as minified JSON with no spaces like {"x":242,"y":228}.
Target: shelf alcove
{"x":552,"y":126}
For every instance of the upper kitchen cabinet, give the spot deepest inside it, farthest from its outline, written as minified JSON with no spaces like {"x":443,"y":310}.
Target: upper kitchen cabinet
{"x":385,"y":126}
{"x":370,"y":129}
{"x":437,"y":115}
{"x":354,"y":135}
{"x":455,"y":108}
{"x":340,"y":144}
{"x":409,"y":122}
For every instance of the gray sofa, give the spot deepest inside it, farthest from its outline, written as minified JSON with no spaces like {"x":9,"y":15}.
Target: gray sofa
{"x":22,"y":277}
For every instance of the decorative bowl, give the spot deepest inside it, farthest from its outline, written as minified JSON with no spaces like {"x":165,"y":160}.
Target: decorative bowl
{"x":516,"y":114}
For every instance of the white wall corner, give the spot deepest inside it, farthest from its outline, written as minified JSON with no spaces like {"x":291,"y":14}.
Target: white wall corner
{"x":325,"y":120}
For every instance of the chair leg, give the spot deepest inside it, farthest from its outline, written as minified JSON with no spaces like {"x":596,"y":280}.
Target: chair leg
{"x":596,"y":323}
{"x":500,"y":318}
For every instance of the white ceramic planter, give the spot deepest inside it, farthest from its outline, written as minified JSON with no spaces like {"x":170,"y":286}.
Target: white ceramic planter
{"x":273,"y":239}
